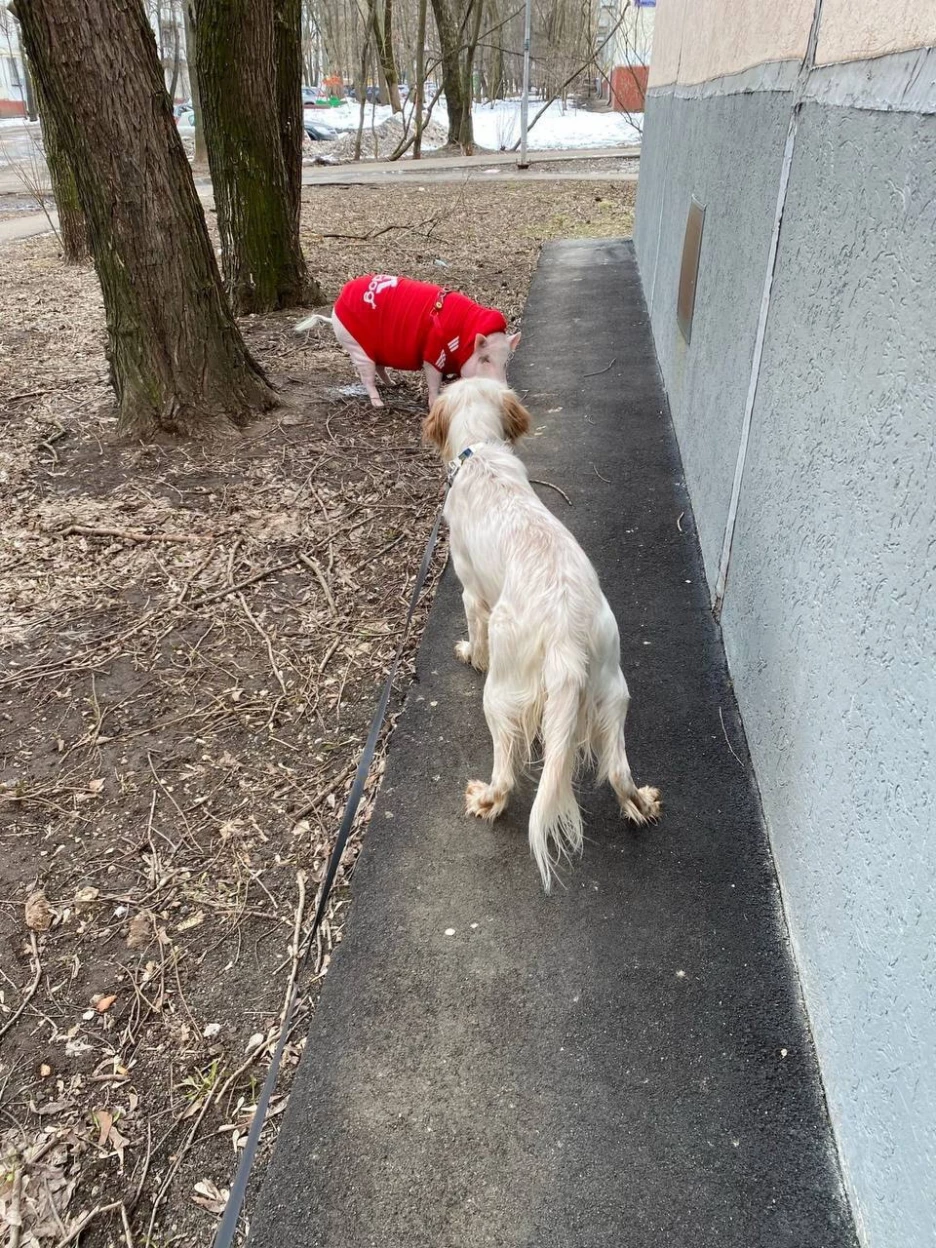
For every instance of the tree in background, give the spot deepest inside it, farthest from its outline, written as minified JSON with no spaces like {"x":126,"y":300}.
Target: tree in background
{"x":454,"y":18}
{"x":386,"y":61}
{"x":178,"y":363}
{"x":235,"y":65}
{"x":287,"y":51}
{"x":188,"y":19}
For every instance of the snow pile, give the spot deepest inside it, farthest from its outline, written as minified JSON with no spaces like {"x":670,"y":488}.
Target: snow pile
{"x":385,"y":137}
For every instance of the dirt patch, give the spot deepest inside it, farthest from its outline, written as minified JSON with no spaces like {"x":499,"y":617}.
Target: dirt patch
{"x":191,"y":643}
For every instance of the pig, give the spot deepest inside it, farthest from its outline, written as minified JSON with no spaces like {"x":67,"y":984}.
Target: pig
{"x":395,"y":322}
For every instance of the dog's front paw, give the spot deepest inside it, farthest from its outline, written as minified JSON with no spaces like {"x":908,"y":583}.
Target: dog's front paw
{"x":483,"y":800}
{"x":644,"y":806}
{"x":463,"y":651}
{"x":377,"y":402}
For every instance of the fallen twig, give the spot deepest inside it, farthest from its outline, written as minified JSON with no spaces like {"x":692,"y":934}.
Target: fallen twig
{"x":727,"y":742}
{"x":30,"y":991}
{"x":552,"y":487}
{"x":315,"y":568}
{"x":248,"y":580}
{"x":80,"y":1225}
{"x":599,"y":371}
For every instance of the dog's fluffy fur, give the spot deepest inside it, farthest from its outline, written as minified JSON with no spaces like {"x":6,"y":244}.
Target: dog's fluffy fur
{"x":538,"y":624}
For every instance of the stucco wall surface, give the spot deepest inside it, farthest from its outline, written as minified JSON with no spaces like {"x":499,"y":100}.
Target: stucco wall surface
{"x":830,"y":628}
{"x":830,"y":614}
{"x":727,"y":152}
{"x":696,"y":42}
{"x":851,"y":31}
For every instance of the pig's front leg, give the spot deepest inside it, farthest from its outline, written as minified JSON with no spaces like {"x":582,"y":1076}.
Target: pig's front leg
{"x":433,"y":381}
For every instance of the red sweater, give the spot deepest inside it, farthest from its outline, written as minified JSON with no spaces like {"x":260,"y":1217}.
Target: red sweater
{"x":403,"y":324}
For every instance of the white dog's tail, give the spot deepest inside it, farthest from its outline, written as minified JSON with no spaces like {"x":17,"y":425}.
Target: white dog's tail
{"x":311,"y":321}
{"x":555,"y":820}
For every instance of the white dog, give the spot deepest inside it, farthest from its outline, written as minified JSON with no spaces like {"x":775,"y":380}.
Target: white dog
{"x":538,"y":623}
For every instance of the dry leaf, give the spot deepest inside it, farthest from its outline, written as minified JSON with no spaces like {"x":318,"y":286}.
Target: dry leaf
{"x":141,"y":930}
{"x":38,"y":912}
{"x":105,"y":1121}
{"x":194,"y":920}
{"x":95,"y":786}
{"x":105,"y":1003}
{"x":210,"y":1197}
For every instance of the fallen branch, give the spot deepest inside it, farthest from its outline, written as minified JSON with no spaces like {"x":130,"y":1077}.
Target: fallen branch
{"x":386,"y":229}
{"x":607,"y":368}
{"x":130,"y":535}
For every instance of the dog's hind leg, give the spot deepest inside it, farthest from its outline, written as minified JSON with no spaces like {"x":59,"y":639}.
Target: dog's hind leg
{"x":607,"y":742}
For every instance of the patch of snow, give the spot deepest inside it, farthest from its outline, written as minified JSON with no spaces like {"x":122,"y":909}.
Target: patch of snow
{"x":497,"y":125}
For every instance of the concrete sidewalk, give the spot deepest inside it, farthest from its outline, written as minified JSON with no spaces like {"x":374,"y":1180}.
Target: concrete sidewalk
{"x":497,"y":166}
{"x":625,"y":1064}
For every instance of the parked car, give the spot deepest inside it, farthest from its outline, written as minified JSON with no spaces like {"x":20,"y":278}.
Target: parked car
{"x":317,"y":132}
{"x":179,"y":109}
{"x":373,"y":94}
{"x":185,"y":120}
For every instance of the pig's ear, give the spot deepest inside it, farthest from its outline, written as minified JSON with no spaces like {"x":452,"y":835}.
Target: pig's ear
{"x":480,"y":341}
{"x":514,"y":341}
{"x":517,"y":420}
{"x":436,"y":424}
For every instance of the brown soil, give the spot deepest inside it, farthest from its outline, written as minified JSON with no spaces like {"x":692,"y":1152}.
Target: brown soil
{"x":191,"y":642}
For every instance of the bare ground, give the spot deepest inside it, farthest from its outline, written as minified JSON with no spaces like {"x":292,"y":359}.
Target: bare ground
{"x":191,"y":643}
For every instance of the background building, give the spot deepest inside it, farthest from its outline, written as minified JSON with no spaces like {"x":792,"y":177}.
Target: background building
{"x":802,"y":381}
{"x":624,"y":61}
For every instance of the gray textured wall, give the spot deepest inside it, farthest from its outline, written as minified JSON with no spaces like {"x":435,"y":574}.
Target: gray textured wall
{"x":830,"y":613}
{"x":727,"y":152}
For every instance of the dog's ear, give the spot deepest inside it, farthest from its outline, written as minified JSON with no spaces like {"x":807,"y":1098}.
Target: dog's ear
{"x":514,"y":341}
{"x":480,"y":341}
{"x":436,"y":424}
{"x":517,"y":420}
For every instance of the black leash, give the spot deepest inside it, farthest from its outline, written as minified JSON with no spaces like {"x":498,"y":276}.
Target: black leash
{"x":228,"y":1226}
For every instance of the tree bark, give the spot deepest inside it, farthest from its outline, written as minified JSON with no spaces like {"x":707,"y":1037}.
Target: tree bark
{"x":288,"y":71}
{"x":188,"y":17}
{"x":456,"y":69}
{"x":260,"y":251}
{"x":73,"y":228}
{"x":178,"y":363}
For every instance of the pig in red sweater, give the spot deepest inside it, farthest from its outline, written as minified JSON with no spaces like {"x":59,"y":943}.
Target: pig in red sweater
{"x":404,"y":324}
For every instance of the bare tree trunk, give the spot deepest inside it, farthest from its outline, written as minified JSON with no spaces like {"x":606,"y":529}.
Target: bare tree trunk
{"x":178,"y":363}
{"x":188,"y":15}
{"x":456,"y":70}
{"x":32,"y":104}
{"x":383,"y":33}
{"x":176,"y":52}
{"x":288,"y":69}
{"x":260,"y":251}
{"x":73,"y":228}
{"x":420,"y":78}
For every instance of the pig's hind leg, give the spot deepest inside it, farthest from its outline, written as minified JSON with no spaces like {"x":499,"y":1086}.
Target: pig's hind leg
{"x":366,"y":368}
